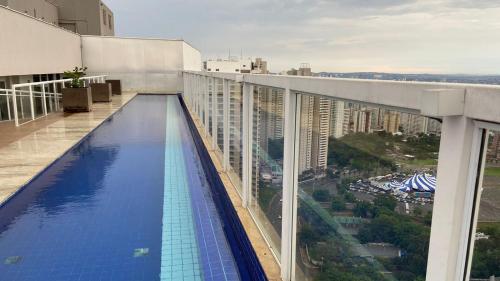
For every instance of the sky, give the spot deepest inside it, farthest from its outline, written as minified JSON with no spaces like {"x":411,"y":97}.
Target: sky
{"x":402,"y":36}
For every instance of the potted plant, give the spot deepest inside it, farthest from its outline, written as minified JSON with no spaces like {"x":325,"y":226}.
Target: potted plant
{"x":76,"y":97}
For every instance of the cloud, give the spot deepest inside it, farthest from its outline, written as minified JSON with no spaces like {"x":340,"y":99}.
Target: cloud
{"x":446,"y":36}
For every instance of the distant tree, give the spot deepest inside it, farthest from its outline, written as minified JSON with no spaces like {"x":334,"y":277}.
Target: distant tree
{"x":418,"y":211}
{"x":349,"y":197}
{"x":362,"y":209}
{"x":486,"y":258}
{"x":307,"y":235}
{"x":338,"y":203}
{"x":321,"y":195}
{"x":386,"y":201}
{"x":428,"y":218}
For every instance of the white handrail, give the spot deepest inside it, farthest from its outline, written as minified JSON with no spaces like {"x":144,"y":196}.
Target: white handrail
{"x":54,"y":96}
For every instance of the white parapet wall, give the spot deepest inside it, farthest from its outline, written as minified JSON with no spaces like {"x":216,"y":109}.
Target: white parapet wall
{"x":143,"y":65}
{"x":31,"y":46}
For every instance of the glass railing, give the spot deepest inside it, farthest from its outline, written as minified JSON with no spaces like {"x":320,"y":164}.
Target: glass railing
{"x":267,"y":163}
{"x":361,"y":180}
{"x":485,"y":238}
{"x":366,"y":190}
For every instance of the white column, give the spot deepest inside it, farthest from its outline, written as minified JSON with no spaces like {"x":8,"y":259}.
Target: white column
{"x":247,"y":142}
{"x":225,"y":122}
{"x":214,"y":114}
{"x":290,"y":184}
{"x":451,"y":213}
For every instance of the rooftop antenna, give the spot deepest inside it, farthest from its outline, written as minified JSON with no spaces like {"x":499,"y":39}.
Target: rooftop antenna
{"x":229,"y":58}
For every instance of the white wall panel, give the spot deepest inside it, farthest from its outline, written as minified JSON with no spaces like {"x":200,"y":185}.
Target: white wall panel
{"x":147,"y":65}
{"x":30,"y":46}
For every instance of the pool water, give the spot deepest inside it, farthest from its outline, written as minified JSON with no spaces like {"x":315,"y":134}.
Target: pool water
{"x":129,"y":202}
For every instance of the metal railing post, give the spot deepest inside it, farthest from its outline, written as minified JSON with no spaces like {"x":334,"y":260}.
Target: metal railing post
{"x":214,"y":114}
{"x":207,"y":104}
{"x":290,"y":183}
{"x":225,"y":122}
{"x":57,"y":98}
{"x":8,"y":104}
{"x":197,"y":95}
{"x":53,"y":97}
{"x":32,"y":103}
{"x":247,"y":142}
{"x":14,"y":101}
{"x":451,"y":213}
{"x":44,"y":101}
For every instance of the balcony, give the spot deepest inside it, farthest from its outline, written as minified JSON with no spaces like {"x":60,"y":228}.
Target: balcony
{"x":304,"y":178}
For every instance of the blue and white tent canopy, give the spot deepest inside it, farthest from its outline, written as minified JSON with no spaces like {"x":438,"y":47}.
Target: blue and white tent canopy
{"x":396,"y":185}
{"x":419,"y":182}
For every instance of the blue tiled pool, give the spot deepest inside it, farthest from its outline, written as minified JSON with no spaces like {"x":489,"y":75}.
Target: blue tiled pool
{"x":131,"y":201}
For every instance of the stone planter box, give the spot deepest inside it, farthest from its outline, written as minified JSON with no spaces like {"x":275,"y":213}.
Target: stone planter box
{"x":101,"y":92}
{"x":77,"y":99}
{"x":116,"y":86}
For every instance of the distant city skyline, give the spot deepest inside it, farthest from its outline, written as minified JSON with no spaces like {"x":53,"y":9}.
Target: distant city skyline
{"x":407,"y":36}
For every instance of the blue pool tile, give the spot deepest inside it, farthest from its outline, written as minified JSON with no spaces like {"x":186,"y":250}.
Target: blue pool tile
{"x":133,"y":183}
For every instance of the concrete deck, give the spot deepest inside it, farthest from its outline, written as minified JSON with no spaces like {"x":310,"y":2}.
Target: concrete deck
{"x":26,"y":150}
{"x":262,"y":249}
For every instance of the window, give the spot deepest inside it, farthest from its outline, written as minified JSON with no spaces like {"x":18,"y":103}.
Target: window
{"x":237,"y":70}
{"x":209,"y":69}
{"x":485,"y":241}
{"x":110,"y":21}
{"x":34,"y":13}
{"x":216,"y":69}
{"x":104,"y":16}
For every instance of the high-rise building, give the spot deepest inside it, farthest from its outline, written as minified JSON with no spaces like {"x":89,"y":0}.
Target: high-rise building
{"x":378,"y":115}
{"x":337,"y":119}
{"x":357,"y":119}
{"x":306,"y":132}
{"x":493,"y":154}
{"x":392,"y":121}
{"x":304,"y":70}
{"x":321,"y":133}
{"x":315,"y":123}
{"x":412,"y":124}
{"x":260,"y":66}
{"x":89,"y":17}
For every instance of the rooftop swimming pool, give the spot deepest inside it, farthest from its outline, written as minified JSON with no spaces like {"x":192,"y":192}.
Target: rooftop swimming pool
{"x":131,"y":201}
